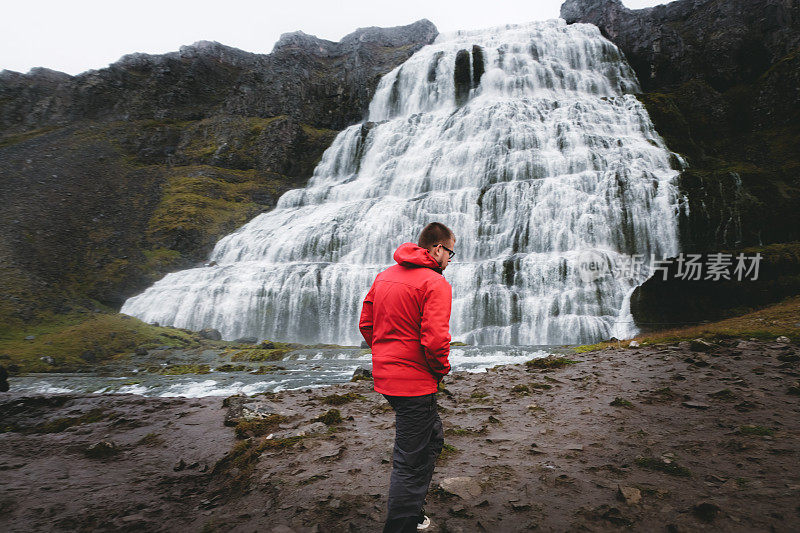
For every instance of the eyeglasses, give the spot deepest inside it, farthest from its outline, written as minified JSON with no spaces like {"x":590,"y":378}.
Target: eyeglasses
{"x":451,"y":252}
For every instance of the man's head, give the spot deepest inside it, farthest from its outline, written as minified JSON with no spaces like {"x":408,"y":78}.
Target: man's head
{"x":439,"y":240}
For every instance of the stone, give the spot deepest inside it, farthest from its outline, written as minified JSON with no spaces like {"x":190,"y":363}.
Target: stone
{"x":47,"y":359}
{"x":101,"y":450}
{"x":247,"y":340}
{"x":629,"y":495}
{"x":361,"y":373}
{"x":30,"y":337}
{"x":700,"y":345}
{"x":705,"y":511}
{"x":466,"y":488}
{"x":140,"y":350}
{"x":211,"y":334}
{"x":783,"y":339}
{"x":364,"y":344}
{"x":633,"y":344}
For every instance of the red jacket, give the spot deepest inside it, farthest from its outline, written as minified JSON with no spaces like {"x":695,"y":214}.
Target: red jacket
{"x":405,"y":319}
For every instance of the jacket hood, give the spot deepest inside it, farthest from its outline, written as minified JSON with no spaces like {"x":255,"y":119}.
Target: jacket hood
{"x":409,"y":254}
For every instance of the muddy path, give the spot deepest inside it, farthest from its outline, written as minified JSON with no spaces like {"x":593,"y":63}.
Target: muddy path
{"x":658,"y":438}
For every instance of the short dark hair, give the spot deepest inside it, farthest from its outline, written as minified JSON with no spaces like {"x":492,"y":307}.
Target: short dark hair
{"x":433,"y":234}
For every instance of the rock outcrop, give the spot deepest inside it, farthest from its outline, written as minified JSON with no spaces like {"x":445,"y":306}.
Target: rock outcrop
{"x":114,"y":177}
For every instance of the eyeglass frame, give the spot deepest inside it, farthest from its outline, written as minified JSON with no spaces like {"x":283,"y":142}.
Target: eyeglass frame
{"x":449,"y":251}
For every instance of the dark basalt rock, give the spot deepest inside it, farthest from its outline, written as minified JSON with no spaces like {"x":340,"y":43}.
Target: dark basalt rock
{"x":659,"y":303}
{"x":462,"y":77}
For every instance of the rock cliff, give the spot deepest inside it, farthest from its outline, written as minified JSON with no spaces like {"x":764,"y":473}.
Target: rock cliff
{"x":114,"y":177}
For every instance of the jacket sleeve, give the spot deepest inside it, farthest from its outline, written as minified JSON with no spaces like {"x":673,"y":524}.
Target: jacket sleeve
{"x":435,"y":327}
{"x":365,"y":322}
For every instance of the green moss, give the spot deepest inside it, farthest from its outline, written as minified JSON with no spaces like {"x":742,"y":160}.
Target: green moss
{"x":231,"y":368}
{"x":521,"y":389}
{"x":448,"y":450}
{"x":620,"y":402}
{"x":259,"y":354}
{"x":161,"y":259}
{"x":341,"y":399}
{"x":329,"y":418}
{"x":756,"y":430}
{"x":273,"y":444}
{"x":151,"y":439}
{"x":479,"y":394}
{"x":177,"y":370}
{"x":549,"y":363}
{"x":80,"y":340}
{"x":20,"y":137}
{"x":257,"y":427}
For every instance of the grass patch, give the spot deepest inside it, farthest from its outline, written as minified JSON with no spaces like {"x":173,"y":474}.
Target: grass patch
{"x":448,"y":450}
{"x":259,"y":354}
{"x":329,"y":418}
{"x":179,"y":370}
{"x":767,"y":323}
{"x":231,"y":368}
{"x":79,"y":340}
{"x":759,"y":431}
{"x":257,"y":427}
{"x":671,"y":468}
{"x":549,"y":363}
{"x":341,"y":399}
{"x":621,"y":402}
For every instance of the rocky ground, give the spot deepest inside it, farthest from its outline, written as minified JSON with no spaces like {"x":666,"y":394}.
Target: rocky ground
{"x":657,"y":438}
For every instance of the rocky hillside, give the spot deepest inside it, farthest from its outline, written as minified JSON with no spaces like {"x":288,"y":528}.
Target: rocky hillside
{"x":721,"y":82}
{"x":113,"y":177}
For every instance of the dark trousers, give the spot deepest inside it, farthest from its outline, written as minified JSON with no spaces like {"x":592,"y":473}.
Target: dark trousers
{"x":418,"y":442}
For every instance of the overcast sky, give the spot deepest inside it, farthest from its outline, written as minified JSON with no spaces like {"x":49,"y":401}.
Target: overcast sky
{"x":78,"y":35}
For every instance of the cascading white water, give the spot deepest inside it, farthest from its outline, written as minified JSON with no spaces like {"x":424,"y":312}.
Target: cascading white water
{"x":542,"y":156}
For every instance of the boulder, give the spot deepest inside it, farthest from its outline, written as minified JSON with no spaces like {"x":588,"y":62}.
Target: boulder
{"x":466,"y":488}
{"x":629,"y":495}
{"x":211,"y":334}
{"x":700,"y":345}
{"x":361,"y":373}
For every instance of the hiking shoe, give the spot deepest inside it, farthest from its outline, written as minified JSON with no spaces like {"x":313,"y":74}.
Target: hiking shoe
{"x":424,"y":522}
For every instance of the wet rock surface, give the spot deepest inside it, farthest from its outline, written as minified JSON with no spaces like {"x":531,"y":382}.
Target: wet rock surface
{"x":575,"y":462}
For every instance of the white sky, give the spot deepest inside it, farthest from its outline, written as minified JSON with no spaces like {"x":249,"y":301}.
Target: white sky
{"x":78,"y":35}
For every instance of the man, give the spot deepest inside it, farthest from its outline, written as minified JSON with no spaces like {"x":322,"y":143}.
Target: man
{"x":405,"y":319}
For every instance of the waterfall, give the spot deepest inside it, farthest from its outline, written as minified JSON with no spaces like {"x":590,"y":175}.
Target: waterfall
{"x":525,"y":139}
